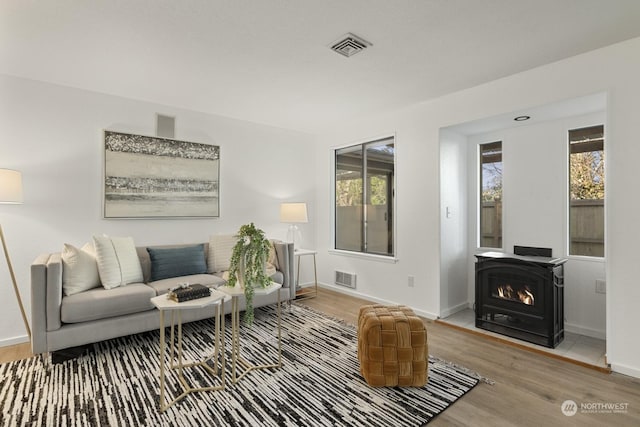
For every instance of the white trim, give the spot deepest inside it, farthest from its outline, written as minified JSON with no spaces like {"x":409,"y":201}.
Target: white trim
{"x":306,"y":285}
{"x":607,"y":265}
{"x":421,"y":313}
{"x":477,"y":198}
{"x":364,"y":255}
{"x":597,"y":259}
{"x":13,"y":341}
{"x":589,"y":332}
{"x":482,"y":249}
{"x":625,"y":370}
{"x":380,"y":137}
{"x":455,"y":309}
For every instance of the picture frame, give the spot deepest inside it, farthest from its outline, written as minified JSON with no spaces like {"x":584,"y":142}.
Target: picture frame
{"x":152,"y":177}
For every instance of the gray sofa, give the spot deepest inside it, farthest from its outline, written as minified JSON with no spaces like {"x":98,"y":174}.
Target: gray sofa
{"x":59,"y":321}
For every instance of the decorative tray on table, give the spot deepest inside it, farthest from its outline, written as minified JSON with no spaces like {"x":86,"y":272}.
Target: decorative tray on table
{"x":188,"y":292}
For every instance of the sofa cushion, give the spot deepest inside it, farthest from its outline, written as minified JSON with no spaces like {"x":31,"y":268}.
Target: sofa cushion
{"x":175,"y":262}
{"x":220,"y":249}
{"x":118,"y":262}
{"x":277,"y":277}
{"x":101,"y":303}
{"x":162,"y":286}
{"x":80,"y":270}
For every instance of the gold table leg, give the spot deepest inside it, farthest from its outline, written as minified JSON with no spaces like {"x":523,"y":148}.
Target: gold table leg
{"x":236,"y":359}
{"x":217,"y":356}
{"x":304,"y":294}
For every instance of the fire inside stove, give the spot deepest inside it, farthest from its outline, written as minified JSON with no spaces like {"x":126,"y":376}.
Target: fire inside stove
{"x":523,"y":294}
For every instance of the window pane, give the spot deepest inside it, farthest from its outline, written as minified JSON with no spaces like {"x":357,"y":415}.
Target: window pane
{"x":586,"y":191}
{"x":491,"y":195}
{"x":364,"y":202}
{"x":349,"y":198}
{"x":378,"y":212}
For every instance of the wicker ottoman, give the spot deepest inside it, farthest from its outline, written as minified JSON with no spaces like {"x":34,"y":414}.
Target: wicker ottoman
{"x":392,"y":346}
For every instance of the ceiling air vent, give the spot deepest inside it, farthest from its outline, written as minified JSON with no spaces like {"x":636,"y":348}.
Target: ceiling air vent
{"x":349,"y":45}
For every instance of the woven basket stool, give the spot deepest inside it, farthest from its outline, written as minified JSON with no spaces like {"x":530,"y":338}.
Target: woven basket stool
{"x":392,"y":346}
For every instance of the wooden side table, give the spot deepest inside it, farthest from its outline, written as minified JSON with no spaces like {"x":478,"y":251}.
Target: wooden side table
{"x":236,"y":358}
{"x":163,"y":304}
{"x":309,"y":292}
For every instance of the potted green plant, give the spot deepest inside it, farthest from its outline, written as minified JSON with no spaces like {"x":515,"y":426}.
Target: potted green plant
{"x":247,"y":265}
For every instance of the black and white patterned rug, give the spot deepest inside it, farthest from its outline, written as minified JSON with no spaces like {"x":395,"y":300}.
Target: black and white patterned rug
{"x":319,"y":384}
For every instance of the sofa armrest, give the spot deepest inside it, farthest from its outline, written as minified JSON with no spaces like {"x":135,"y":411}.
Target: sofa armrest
{"x":54,"y":291}
{"x":284,"y":252}
{"x":39,"y":304}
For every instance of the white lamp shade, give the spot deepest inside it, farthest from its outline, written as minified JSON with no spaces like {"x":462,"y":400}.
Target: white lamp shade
{"x":293,"y":212}
{"x":10,"y":186}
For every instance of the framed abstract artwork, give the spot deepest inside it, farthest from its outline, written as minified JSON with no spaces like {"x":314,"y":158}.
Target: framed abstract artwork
{"x":151,"y":177}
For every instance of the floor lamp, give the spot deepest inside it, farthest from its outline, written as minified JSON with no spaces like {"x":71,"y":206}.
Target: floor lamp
{"x":293,"y":213}
{"x":11,"y":193}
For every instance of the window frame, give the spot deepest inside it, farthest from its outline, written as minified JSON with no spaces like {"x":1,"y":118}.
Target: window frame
{"x":567,"y":235}
{"x":478,"y":197}
{"x":392,"y":258}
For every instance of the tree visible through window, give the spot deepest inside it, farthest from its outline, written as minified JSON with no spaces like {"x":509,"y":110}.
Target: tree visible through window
{"x":490,"y":234}
{"x":364,"y":200}
{"x":586,"y":191}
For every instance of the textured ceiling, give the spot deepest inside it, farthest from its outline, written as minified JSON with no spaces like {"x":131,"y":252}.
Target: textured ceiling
{"x":268,"y":61}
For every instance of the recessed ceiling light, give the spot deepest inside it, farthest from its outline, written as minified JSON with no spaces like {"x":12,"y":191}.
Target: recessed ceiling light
{"x":521,"y":118}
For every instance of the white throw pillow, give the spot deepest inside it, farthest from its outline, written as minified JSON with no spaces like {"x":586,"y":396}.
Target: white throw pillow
{"x":220,"y":249}
{"x":118,"y":262}
{"x":269,"y":269}
{"x":273,"y":256}
{"x":79,"y":269}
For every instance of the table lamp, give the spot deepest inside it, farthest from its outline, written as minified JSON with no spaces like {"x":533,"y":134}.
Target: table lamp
{"x":293,"y":213}
{"x":11,"y":193}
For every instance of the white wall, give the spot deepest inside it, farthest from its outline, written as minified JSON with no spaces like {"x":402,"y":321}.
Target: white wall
{"x":535,"y":213}
{"x":54,"y":136}
{"x":613,"y":69}
{"x":454,"y":178}
{"x":417,"y":220}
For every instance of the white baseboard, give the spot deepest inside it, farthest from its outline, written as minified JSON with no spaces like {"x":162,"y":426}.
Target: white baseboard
{"x":307,"y":285}
{"x":589,"y":332}
{"x":357,"y":294}
{"x":13,"y":341}
{"x":625,"y":370}
{"x":453,"y":310}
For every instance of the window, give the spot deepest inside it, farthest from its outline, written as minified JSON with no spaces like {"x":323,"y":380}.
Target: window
{"x":586,"y":191}
{"x":490,"y":233}
{"x":364,"y":193}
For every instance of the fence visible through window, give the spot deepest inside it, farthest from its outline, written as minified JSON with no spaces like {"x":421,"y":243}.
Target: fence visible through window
{"x":490,"y":233}
{"x":586,"y":191}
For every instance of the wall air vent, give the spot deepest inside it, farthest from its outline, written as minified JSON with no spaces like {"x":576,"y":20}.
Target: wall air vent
{"x":347,"y":280}
{"x":165,"y":126}
{"x":349,"y":44}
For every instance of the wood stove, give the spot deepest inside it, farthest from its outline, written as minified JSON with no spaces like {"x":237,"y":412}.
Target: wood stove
{"x":521,"y":296}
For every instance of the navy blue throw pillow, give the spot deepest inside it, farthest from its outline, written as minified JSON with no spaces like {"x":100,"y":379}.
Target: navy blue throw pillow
{"x":176,"y":262}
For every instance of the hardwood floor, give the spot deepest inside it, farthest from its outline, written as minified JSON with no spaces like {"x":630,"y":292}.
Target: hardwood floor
{"x":15,"y":352}
{"x":529,"y":388}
